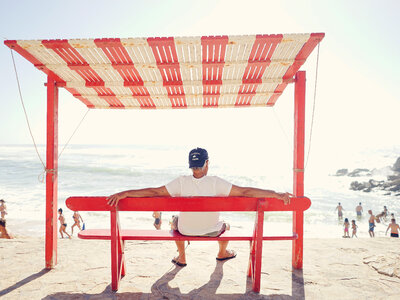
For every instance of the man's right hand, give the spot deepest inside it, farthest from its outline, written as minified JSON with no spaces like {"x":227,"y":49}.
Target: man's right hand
{"x":114,"y":199}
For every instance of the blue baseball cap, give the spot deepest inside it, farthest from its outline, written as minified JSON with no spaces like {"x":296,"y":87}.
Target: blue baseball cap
{"x":197,"y":158}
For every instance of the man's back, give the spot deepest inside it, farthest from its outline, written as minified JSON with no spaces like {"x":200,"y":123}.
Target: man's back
{"x":198,"y":223}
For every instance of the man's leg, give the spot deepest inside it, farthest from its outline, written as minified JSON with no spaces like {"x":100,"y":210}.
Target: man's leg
{"x":181,"y":249}
{"x":223,"y":253}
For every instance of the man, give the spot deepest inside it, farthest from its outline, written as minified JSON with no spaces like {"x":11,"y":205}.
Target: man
{"x":359,"y":210}
{"x":199,"y":184}
{"x":394,"y":229}
{"x":371,"y":224}
{"x":340,"y":210}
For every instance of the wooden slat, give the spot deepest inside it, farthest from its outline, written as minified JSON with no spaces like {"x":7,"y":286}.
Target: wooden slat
{"x":182,"y":72}
{"x":186,"y":204}
{"x":165,"y":235}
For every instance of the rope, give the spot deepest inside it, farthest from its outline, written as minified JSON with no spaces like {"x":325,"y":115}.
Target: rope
{"x":41,"y":175}
{"x":313,"y":111}
{"x":281,"y":126}
{"x":26,"y":115}
{"x":73,"y":133}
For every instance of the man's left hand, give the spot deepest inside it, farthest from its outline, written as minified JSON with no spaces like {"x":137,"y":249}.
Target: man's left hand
{"x":286,"y":197}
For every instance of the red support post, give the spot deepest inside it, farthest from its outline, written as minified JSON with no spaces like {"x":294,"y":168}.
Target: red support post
{"x":298,"y":165}
{"x":51,"y":173}
{"x":258,"y":249}
{"x":114,"y":251}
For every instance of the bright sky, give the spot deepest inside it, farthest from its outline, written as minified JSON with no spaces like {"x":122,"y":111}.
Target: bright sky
{"x":357,"y":96}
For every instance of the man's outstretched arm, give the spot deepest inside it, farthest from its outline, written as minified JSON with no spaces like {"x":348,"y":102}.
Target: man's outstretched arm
{"x":238,"y":191}
{"x":149,"y":192}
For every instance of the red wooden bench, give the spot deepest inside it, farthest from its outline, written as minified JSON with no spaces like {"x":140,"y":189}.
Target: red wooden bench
{"x":118,"y":236}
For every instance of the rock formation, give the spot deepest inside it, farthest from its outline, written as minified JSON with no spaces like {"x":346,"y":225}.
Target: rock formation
{"x":391,"y":185}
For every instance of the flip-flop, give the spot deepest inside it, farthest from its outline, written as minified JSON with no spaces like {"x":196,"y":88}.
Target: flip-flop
{"x":178,"y":263}
{"x":229,"y":257}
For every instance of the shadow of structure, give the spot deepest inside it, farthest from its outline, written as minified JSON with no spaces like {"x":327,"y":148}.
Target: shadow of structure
{"x":162,"y":290}
{"x":23,"y":282}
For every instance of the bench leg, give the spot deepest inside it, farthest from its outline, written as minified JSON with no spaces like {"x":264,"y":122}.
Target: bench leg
{"x":297,"y":245}
{"x":255,"y":259}
{"x":117,"y":255}
{"x":121,"y":251}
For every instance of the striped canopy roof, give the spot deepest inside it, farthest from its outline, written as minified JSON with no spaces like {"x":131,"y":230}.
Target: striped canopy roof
{"x":168,"y":72}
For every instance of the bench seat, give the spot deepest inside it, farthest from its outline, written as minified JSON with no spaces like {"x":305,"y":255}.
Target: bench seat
{"x":170,"y":235}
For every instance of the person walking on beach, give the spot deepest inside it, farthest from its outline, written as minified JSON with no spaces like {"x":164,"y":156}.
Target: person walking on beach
{"x":199,"y":184}
{"x":371,"y":224}
{"x":340,"y":210}
{"x":346,"y":226}
{"x":394,"y":229}
{"x":359,"y":210}
{"x":3,"y":209}
{"x":77,"y":221}
{"x":3,"y":230}
{"x":63,"y":225}
{"x":157,"y":219}
{"x":354,"y":228}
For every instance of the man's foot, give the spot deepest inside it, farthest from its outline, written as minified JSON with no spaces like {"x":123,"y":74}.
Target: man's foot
{"x":229,"y":254}
{"x":178,"y":263}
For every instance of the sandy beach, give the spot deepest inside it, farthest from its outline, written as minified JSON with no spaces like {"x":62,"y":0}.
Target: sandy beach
{"x":333,"y":269}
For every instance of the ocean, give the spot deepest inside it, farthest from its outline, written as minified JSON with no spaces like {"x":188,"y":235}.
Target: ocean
{"x":101,"y":170}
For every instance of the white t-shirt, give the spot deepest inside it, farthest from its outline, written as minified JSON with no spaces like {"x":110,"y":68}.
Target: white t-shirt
{"x":198,"y":223}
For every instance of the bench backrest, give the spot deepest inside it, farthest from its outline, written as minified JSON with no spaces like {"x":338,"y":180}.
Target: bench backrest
{"x":188,"y":204}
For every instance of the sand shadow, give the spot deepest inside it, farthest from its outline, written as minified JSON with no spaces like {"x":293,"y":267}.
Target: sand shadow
{"x":161,"y":289}
{"x":23,"y":282}
{"x":297,"y":289}
{"x":298,"y":284}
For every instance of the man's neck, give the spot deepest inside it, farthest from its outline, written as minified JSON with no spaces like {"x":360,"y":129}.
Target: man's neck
{"x":198,"y":175}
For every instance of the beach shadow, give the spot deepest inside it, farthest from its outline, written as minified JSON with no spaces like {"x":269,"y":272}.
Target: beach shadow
{"x":23,"y":282}
{"x":161,"y":289}
{"x":298,"y":284}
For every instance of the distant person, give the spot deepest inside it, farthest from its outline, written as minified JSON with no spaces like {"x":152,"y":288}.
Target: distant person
{"x":63,"y":225}
{"x":392,"y":217}
{"x":385,"y":210}
{"x":354,"y":228}
{"x":371,"y":224}
{"x":199,"y":184}
{"x":77,"y":221}
{"x":3,"y":209}
{"x":394,"y":229}
{"x":3,"y":230}
{"x":157,"y":219}
{"x":379,"y":217}
{"x":359,"y":210}
{"x":340,"y":210}
{"x":346,"y":226}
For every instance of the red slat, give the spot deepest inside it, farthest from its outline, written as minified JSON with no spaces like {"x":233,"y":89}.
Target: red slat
{"x":28,"y":56}
{"x":79,"y":96}
{"x":259,"y":59}
{"x":164,"y":52}
{"x":301,"y":57}
{"x":213,"y":54}
{"x":123,"y":64}
{"x":186,"y":204}
{"x":78,"y":64}
{"x":168,"y":235}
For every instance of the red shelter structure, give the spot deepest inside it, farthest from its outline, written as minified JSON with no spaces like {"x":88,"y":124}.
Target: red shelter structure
{"x":171,"y":72}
